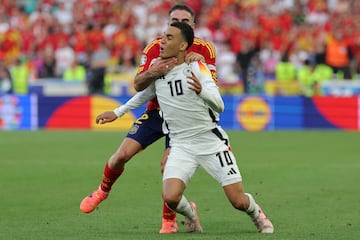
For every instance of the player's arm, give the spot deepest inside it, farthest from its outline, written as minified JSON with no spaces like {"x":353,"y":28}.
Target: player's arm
{"x":151,"y":66}
{"x":193,"y":57}
{"x":136,"y":101}
{"x":204,"y":51}
{"x":159,"y":68}
{"x":203,"y":84}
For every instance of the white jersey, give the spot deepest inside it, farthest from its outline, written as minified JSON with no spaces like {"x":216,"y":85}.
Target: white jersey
{"x":195,"y":138}
{"x":188,"y":115}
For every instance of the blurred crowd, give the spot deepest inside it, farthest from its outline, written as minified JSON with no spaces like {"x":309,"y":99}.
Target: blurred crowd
{"x":256,"y":40}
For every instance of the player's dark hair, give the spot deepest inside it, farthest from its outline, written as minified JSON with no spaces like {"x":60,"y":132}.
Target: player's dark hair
{"x":186,"y":31}
{"x":182,"y":7}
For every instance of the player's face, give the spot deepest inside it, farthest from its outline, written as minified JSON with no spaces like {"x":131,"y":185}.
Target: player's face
{"x":171,"y":43}
{"x":181,"y":16}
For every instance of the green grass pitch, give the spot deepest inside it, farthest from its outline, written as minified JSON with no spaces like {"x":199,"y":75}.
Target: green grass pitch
{"x":306,"y":182}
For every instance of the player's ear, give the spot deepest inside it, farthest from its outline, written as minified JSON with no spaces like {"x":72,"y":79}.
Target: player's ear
{"x":183,"y":46}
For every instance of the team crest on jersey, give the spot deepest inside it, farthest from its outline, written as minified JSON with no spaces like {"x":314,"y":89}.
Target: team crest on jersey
{"x":187,"y":71}
{"x":134,"y":129}
{"x":143,"y":60}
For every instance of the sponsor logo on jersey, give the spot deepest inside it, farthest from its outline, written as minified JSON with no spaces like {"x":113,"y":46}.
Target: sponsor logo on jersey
{"x":232,"y":171}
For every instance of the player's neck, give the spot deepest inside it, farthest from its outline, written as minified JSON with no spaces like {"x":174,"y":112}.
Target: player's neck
{"x":181,"y":58}
{"x":180,"y":61}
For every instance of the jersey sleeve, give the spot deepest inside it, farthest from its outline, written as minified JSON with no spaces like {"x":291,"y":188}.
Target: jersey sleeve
{"x":212,"y":62}
{"x":136,"y":101}
{"x":208,"y":51}
{"x":210,"y":91}
{"x":149,"y":54}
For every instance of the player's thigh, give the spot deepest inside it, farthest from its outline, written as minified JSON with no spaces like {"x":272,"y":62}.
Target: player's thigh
{"x":180,"y":165}
{"x":129,"y":147}
{"x":124,"y":153}
{"x":164,"y":159}
{"x":147,"y":129}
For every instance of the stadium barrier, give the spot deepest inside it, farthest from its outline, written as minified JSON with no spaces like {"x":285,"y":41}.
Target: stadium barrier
{"x":242,"y":112}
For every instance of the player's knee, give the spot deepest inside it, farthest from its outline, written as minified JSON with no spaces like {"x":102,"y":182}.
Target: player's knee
{"x":123,"y":155}
{"x":171,"y":201}
{"x":171,"y":204}
{"x":119,"y":158}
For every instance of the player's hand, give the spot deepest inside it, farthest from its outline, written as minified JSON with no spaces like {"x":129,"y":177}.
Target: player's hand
{"x":194,"y":84}
{"x":192,"y":57}
{"x":106,"y":117}
{"x":162,"y":66}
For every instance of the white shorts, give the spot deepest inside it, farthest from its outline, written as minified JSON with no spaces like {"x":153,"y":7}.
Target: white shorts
{"x":220,"y":162}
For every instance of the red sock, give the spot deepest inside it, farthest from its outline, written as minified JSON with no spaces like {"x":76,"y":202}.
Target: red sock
{"x":109,"y":178}
{"x":168,"y":213}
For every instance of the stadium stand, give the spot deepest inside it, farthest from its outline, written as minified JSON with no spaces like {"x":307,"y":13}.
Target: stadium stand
{"x":33,"y":31}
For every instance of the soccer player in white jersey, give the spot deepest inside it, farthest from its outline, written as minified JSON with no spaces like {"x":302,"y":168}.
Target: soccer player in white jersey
{"x":189,"y":100}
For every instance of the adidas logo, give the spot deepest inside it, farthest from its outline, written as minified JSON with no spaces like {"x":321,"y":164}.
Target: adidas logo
{"x":231,"y":172}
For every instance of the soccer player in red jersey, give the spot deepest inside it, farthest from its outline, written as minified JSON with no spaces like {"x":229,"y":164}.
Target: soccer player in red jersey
{"x":148,"y":128}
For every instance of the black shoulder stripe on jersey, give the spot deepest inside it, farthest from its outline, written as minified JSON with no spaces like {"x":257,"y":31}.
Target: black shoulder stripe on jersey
{"x":212,"y":115}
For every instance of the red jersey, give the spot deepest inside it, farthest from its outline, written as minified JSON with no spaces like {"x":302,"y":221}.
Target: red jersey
{"x":152,"y":51}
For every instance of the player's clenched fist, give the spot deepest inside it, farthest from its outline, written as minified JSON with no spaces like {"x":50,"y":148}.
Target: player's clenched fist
{"x":106,"y":117}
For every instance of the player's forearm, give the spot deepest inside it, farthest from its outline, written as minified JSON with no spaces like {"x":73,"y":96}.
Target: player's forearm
{"x":136,"y":101}
{"x":213,"y":98}
{"x":143,"y":80}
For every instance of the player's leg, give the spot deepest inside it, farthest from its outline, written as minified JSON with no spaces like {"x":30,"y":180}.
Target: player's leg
{"x":173,"y":189}
{"x":246,"y":203}
{"x":114,"y":167}
{"x":174,"y":199}
{"x":231,"y":181}
{"x":179,"y":169}
{"x":144,"y":132}
{"x":164,"y":159}
{"x":168,"y":220}
{"x":222,"y":166}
